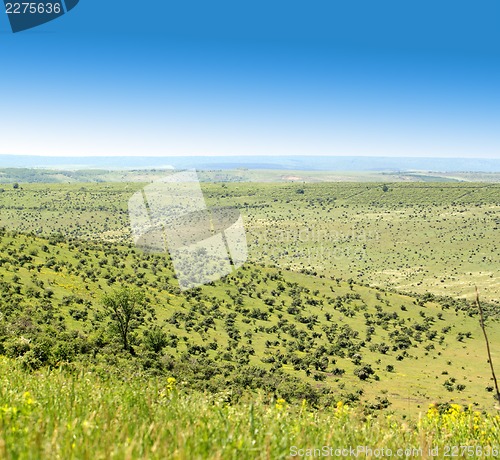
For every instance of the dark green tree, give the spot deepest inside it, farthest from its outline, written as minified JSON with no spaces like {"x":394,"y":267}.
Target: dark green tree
{"x":125,"y":307}
{"x":155,"y":339}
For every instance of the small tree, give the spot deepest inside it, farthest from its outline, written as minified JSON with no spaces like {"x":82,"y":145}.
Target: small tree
{"x":125,"y":307}
{"x":155,"y":339}
{"x":364,"y":372}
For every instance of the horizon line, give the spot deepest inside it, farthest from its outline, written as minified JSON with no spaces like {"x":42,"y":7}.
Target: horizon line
{"x":278,"y":155}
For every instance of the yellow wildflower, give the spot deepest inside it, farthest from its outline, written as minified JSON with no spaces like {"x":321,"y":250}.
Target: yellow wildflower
{"x":280,"y":404}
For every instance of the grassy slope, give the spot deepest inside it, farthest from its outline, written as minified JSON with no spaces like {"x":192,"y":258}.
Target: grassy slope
{"x":82,"y":272}
{"x":419,"y":237}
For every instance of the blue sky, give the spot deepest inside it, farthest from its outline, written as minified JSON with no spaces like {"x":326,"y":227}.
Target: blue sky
{"x":364,"y":77}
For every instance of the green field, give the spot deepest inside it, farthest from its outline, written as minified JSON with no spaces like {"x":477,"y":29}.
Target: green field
{"x":441,"y":238}
{"x":68,"y":176}
{"x":358,"y":293}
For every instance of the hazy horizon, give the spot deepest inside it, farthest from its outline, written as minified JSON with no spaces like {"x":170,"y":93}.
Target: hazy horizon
{"x":256,"y":162}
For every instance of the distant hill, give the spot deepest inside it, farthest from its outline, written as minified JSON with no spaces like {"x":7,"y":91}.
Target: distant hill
{"x":303,"y":163}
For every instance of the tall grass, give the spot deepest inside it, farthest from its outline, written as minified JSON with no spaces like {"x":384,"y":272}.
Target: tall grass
{"x":54,"y":414}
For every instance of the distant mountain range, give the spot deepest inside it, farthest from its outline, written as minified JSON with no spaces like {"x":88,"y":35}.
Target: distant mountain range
{"x":302,"y":163}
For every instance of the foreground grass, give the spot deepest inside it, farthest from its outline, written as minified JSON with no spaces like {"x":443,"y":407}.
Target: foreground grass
{"x":56,"y":414}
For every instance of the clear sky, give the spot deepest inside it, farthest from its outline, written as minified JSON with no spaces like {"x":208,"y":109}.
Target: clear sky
{"x":190,"y":77}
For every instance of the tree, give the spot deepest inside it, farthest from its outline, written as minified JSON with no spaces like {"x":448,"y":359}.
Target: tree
{"x":125,"y":307}
{"x":155,"y":339}
{"x":364,"y":372}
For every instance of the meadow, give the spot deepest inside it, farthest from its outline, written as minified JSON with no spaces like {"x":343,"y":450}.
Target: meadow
{"x":413,"y":237}
{"x":353,"y":317}
{"x":81,"y":415}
